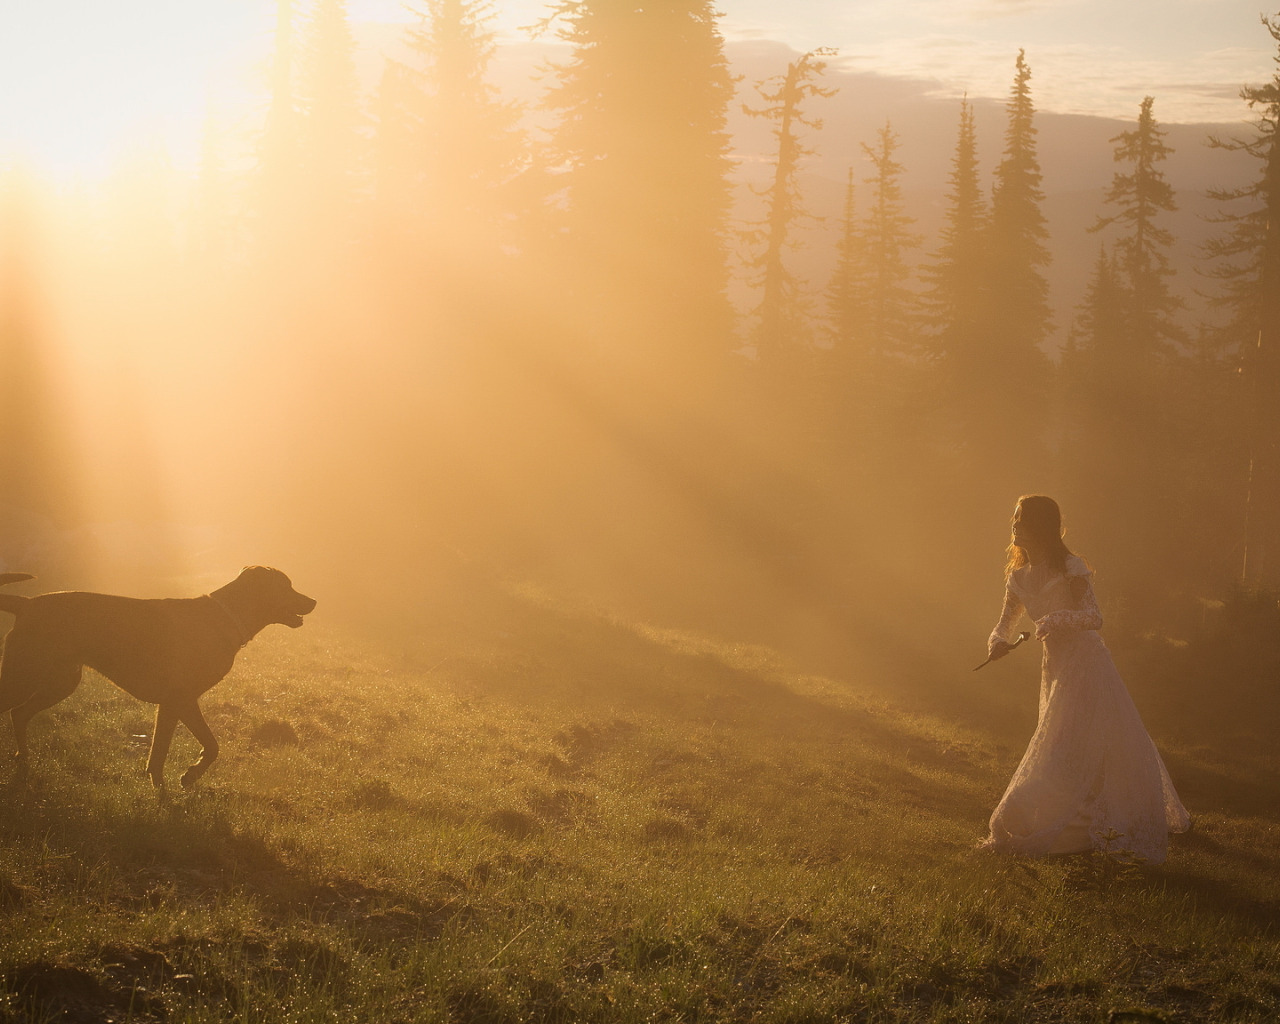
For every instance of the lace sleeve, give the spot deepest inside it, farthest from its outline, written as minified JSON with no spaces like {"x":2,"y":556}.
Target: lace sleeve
{"x":1086,"y":614}
{"x":1006,"y":629}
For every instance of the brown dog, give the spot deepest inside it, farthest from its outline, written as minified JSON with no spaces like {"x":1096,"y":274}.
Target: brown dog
{"x":167,"y":652}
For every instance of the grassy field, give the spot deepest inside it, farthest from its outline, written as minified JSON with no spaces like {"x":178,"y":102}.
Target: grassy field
{"x":548,"y":814}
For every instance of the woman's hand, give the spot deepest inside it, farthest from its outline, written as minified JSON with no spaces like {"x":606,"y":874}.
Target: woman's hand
{"x":999,"y":648}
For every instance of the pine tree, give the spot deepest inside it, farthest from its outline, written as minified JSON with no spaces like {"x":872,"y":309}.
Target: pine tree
{"x":330,"y":138}
{"x":275,"y":205}
{"x":1247,"y":261}
{"x":956,"y":296}
{"x":845,"y":291}
{"x":1131,"y":357}
{"x":1095,"y":404}
{"x":39,"y":504}
{"x":1100,"y":328}
{"x":781,"y":336}
{"x":634,"y":290}
{"x":642,"y":144}
{"x":451,"y":147}
{"x":1018,"y":319}
{"x":953,"y":307}
{"x":1006,"y":395}
{"x":886,"y":234}
{"x":1142,"y":195}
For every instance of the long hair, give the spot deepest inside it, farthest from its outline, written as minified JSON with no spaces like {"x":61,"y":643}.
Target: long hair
{"x":1042,"y":517}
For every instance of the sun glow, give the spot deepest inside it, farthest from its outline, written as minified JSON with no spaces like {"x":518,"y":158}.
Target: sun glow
{"x":80,"y":87}
{"x":316,"y":301}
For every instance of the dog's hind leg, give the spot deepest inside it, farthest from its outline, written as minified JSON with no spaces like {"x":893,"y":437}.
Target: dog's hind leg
{"x":53,"y":683}
{"x":19,"y":674}
{"x":192,"y":718}
{"x":161,"y":737}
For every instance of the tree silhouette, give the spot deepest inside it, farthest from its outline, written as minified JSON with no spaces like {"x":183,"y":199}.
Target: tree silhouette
{"x":632,"y":290}
{"x":275,"y":206}
{"x":1016,"y":236}
{"x":782,"y":335}
{"x":886,"y":238}
{"x":1007,"y":395}
{"x":1141,"y":196}
{"x":1131,"y":354}
{"x":40,"y":506}
{"x":1246,"y":259}
{"x":330,"y":138}
{"x":1094,"y":380}
{"x":956,"y":296}
{"x":845,"y":291}
{"x":643,"y":148}
{"x":450,"y":146}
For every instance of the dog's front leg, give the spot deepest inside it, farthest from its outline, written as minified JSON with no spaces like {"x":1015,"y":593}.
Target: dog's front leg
{"x":194,"y":720}
{"x":161,"y":737}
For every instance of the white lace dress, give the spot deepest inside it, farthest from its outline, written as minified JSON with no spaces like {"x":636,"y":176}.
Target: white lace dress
{"x":1091,"y":777}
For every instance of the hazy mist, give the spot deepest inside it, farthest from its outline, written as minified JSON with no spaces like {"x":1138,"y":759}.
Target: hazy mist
{"x":408,"y":337}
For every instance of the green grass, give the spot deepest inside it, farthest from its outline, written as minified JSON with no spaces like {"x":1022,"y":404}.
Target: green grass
{"x":545,"y":814}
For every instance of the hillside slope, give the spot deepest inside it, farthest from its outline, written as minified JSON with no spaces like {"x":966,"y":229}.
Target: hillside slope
{"x":536,"y":812}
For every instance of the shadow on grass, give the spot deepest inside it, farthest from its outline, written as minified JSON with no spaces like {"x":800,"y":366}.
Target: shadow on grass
{"x":582,"y":662}
{"x":1241,"y":787}
{"x":190,"y":851}
{"x":537,"y":651}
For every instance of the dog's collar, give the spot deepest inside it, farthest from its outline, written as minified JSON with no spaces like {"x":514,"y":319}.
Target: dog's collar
{"x":243,"y":636}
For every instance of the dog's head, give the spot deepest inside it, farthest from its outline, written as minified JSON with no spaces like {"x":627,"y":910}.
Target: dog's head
{"x":270,"y":595}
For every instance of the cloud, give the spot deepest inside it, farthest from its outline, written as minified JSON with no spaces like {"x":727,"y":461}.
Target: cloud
{"x":942,"y":11}
{"x":1071,"y":77}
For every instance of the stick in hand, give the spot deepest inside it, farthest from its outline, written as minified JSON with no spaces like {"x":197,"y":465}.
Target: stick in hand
{"x":1024,"y":635}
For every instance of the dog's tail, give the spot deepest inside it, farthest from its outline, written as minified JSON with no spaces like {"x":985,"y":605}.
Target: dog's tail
{"x":12,"y":603}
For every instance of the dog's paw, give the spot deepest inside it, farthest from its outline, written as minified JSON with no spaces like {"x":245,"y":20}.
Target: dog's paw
{"x":192,"y":775}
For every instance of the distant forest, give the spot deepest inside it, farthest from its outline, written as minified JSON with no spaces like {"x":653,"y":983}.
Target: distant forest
{"x":513,"y":337}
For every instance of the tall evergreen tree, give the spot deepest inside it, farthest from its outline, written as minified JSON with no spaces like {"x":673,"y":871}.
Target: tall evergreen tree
{"x":846,"y":289}
{"x":1135,"y":414}
{"x":882,"y":417}
{"x":642,"y":142}
{"x":781,"y":336}
{"x":890,"y":323}
{"x":451,"y":147}
{"x":1095,"y":404}
{"x":953,"y":309}
{"x":956,"y":294}
{"x":331,"y":142}
{"x":1141,"y":196}
{"x":275,"y":205}
{"x":39,"y":504}
{"x":1016,"y":231}
{"x":1006,"y":398}
{"x":1019,"y":317}
{"x":635,"y":290}
{"x":1098,"y":333}
{"x":1247,"y":261}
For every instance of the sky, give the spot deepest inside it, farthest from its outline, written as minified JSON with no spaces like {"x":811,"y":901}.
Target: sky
{"x":82,"y":82}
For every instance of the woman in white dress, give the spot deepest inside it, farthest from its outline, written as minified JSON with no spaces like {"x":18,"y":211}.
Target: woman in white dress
{"x":1091,"y":777}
